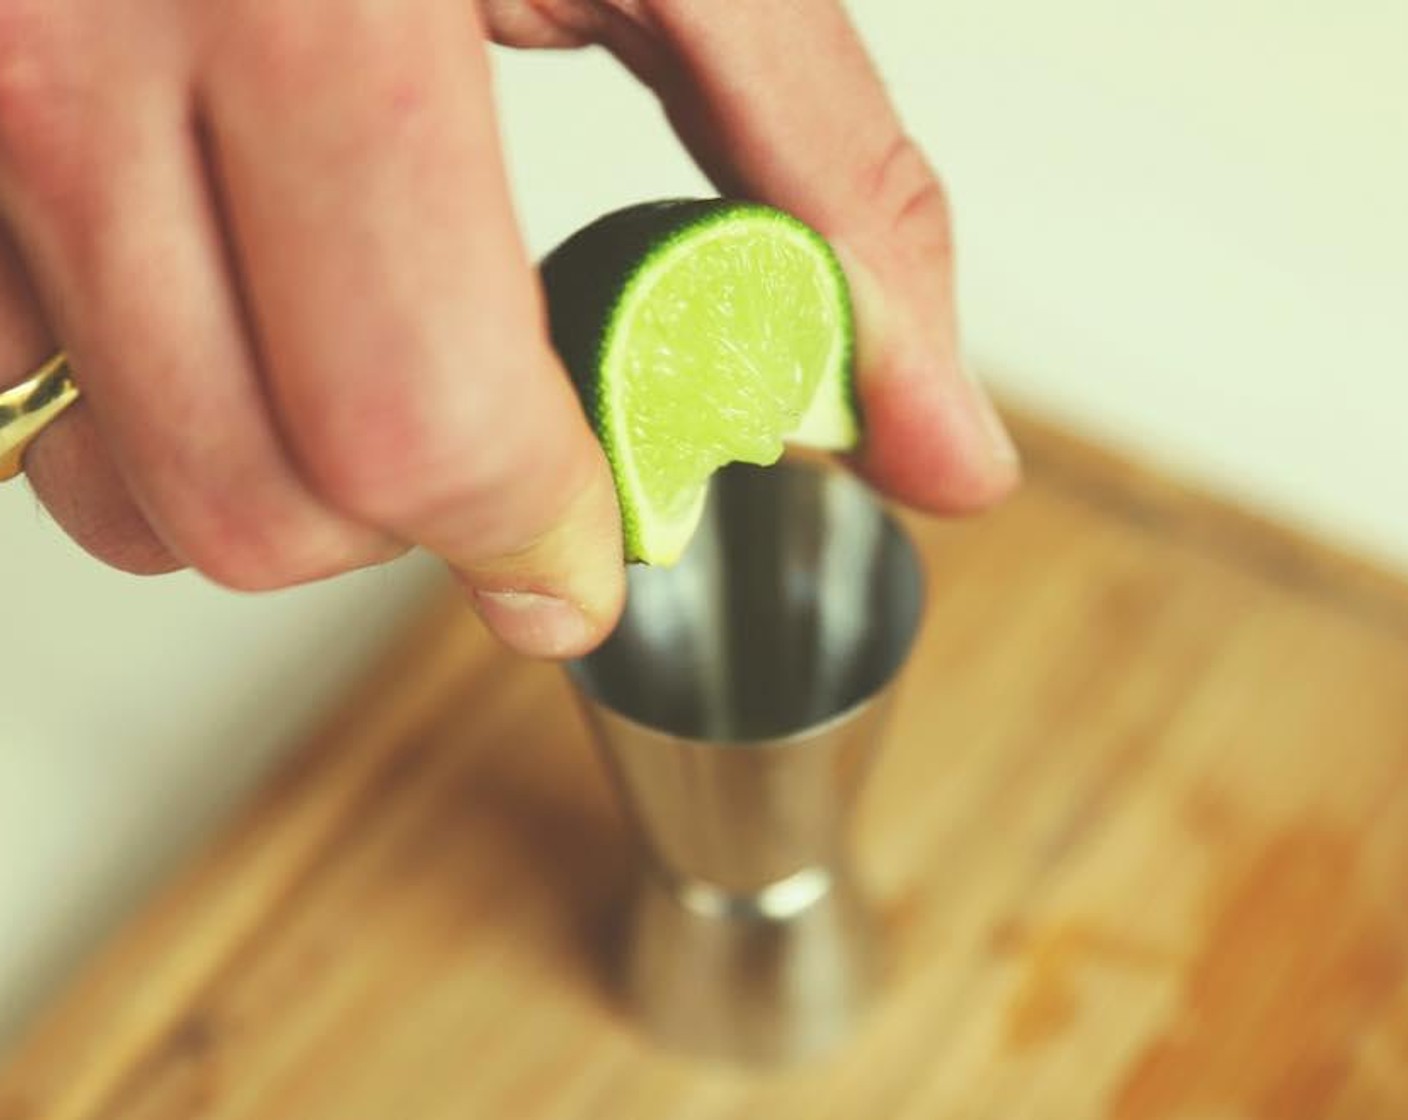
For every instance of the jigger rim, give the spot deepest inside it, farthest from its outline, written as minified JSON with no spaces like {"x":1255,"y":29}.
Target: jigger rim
{"x":894,"y":524}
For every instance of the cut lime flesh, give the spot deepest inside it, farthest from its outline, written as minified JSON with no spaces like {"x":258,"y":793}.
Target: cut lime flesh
{"x":727,"y":333}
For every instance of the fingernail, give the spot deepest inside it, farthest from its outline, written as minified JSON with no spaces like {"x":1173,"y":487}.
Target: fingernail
{"x":535,"y":624}
{"x":999,"y":440}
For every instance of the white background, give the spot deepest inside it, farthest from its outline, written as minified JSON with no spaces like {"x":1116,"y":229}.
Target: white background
{"x":1183,"y":228}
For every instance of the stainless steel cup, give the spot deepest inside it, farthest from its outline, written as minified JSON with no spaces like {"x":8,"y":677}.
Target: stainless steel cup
{"x":738,"y":704}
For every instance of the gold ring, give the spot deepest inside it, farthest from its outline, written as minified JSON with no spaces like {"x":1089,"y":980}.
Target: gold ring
{"x":29,"y":408}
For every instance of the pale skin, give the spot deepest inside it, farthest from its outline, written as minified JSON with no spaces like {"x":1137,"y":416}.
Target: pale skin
{"x":277,"y":242}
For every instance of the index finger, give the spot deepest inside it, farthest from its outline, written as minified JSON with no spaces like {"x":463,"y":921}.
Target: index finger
{"x":398,"y":317}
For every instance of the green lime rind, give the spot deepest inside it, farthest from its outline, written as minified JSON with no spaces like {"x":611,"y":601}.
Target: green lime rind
{"x":585,"y":276}
{"x":603,"y":278}
{"x":583,"y":280}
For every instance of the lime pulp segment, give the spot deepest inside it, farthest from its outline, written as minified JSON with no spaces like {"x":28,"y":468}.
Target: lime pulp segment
{"x":732,"y":336}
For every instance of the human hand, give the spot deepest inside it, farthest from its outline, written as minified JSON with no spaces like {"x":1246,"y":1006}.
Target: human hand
{"x":278,"y":246}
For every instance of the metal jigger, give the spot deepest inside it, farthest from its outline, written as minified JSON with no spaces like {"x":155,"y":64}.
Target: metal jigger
{"x":738,"y":704}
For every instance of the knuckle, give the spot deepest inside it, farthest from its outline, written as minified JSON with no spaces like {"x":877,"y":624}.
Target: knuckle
{"x":89,"y":502}
{"x":402,"y":468}
{"x":547,"y":23}
{"x":416,"y":469}
{"x":900,"y":186}
{"x":42,"y":94}
{"x":247,"y":547}
{"x":107,"y":526}
{"x":121,"y":539}
{"x":238,"y":561}
{"x":141,"y":555}
{"x":274,"y":45}
{"x":247,"y":566}
{"x":283,"y":51}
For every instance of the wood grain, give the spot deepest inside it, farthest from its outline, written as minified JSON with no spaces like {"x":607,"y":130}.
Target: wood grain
{"x":1141,"y":832}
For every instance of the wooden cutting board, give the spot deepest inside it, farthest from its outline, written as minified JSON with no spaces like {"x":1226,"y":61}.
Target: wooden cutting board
{"x":1140,"y":828}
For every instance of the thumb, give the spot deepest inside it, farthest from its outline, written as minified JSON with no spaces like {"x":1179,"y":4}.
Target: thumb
{"x":779,"y":102}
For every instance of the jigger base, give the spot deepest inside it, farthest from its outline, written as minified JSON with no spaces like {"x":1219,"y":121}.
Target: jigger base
{"x":777,"y":977}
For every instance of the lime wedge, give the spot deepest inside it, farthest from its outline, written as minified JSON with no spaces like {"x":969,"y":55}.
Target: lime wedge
{"x":698,"y":333}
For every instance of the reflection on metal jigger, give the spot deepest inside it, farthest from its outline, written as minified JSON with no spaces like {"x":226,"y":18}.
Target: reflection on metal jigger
{"x":738,"y":705}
